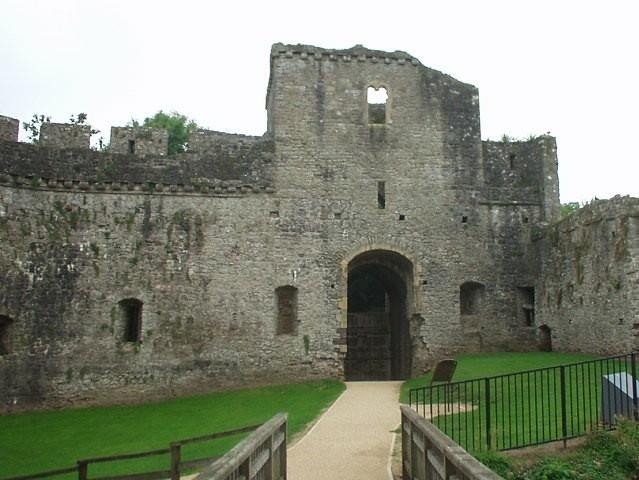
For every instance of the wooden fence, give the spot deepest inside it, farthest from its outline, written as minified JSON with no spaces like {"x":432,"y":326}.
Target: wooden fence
{"x":428,"y":454}
{"x":173,"y":471}
{"x":261,"y":455}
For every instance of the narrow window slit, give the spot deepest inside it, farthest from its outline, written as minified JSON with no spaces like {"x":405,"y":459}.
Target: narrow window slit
{"x":381,"y":195}
{"x":286,"y":298}
{"x":131,"y":314}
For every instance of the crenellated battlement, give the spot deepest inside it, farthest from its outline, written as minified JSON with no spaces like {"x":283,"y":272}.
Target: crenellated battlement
{"x":221,"y":170}
{"x":139,"y":141}
{"x":358,"y":53}
{"x":9,"y":128}
{"x":65,"y":135}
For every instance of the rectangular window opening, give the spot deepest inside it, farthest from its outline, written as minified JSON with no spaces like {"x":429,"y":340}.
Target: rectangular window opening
{"x":286,"y":300}
{"x":131,"y":146}
{"x":131,"y":313}
{"x":526,"y":297}
{"x":377,"y":98}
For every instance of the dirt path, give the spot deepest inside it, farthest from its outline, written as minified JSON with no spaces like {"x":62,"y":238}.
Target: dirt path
{"x":352,"y":440}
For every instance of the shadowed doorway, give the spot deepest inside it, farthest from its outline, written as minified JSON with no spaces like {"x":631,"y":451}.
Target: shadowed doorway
{"x":378,"y":342}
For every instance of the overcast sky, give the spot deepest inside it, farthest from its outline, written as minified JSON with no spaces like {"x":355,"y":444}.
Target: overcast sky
{"x":568,"y":68}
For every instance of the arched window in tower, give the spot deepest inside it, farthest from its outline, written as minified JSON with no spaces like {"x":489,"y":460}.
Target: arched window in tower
{"x":470,"y":298}
{"x":377,"y":102}
{"x":5,"y":342}
{"x":131,"y":319}
{"x":286,"y":298}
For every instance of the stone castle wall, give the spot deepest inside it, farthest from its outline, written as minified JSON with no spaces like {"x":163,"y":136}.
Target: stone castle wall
{"x":589,"y":283}
{"x":206,"y":238}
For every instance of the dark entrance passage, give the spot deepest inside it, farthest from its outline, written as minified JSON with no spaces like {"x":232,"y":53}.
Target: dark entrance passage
{"x":378,"y":342}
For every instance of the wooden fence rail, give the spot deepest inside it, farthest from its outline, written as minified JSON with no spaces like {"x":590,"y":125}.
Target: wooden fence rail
{"x":174,"y":472}
{"x":261,"y":455}
{"x":428,"y":454}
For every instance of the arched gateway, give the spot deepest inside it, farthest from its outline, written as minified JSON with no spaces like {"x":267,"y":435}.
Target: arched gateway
{"x":379,"y":295}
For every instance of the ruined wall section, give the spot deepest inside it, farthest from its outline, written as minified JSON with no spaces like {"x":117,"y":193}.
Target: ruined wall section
{"x":519,"y":197}
{"x":589,"y":283}
{"x":523,"y":172}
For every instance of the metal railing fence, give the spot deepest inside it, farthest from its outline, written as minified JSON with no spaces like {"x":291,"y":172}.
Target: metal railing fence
{"x":532,"y":407}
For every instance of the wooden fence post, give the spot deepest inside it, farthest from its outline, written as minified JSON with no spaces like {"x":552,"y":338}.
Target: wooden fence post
{"x":176,"y":458}
{"x":83,"y":470}
{"x":283,"y":453}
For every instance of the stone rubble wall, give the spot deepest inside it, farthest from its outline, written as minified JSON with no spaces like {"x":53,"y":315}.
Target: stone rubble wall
{"x":589,"y":284}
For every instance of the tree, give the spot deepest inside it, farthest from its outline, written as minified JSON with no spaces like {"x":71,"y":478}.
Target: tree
{"x":32,"y":127}
{"x":568,"y":208}
{"x":177,"y":125}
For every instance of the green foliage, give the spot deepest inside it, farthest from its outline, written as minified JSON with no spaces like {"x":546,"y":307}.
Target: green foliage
{"x":178,"y":126}
{"x":553,"y":469}
{"x":568,"y":208}
{"x":497,"y":462}
{"x":75,"y":434}
{"x":604,"y":456}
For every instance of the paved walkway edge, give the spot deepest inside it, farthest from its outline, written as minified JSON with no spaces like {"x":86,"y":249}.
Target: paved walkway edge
{"x":308,"y":432}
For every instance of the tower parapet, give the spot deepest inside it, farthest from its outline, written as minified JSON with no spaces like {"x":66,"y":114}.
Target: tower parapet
{"x":139,"y":141}
{"x":9,"y":128}
{"x":65,"y":135}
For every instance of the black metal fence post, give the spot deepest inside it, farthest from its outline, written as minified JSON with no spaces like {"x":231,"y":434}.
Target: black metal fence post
{"x":564,"y":425}
{"x":487,"y":399}
{"x":635,"y":400}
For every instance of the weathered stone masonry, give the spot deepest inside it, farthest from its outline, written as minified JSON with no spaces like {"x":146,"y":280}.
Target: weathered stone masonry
{"x":351,"y":239}
{"x":589,"y":285}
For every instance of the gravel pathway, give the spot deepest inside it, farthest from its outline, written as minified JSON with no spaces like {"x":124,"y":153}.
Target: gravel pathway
{"x":352,"y":440}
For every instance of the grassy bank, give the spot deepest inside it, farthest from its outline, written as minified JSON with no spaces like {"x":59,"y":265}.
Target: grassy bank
{"x":604,"y":456}
{"x":41,"y":441}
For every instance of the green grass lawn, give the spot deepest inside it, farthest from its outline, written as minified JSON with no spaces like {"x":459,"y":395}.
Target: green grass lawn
{"x":40,"y":441}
